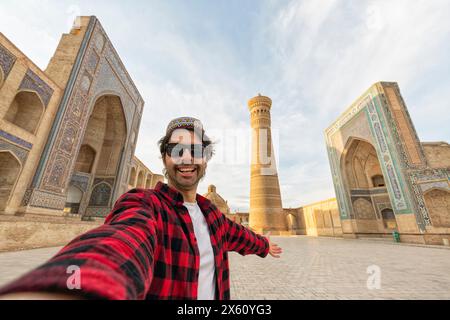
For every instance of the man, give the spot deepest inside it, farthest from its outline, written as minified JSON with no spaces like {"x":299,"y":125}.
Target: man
{"x":166,"y":243}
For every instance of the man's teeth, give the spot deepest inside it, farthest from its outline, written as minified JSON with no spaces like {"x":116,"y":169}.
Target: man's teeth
{"x":186,"y":169}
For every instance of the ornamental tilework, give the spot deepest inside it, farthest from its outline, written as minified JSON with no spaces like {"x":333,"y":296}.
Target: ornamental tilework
{"x":344,"y":210}
{"x":424,"y":180}
{"x":420,"y":201}
{"x":345,"y":118}
{"x":387,"y":161}
{"x":20,"y":153}
{"x":429,"y":174}
{"x":41,"y":199}
{"x":92,"y":62}
{"x":364,"y":208}
{"x":27,"y":197}
{"x":99,"y":41}
{"x":15,"y":139}
{"x":99,"y":212}
{"x":110,"y":83}
{"x":431,"y":185}
{"x":80,"y":180}
{"x":85,"y":84}
{"x":398,"y":116}
{"x":122,"y":73}
{"x":383,"y":205}
{"x":100,"y":72}
{"x":68,"y":138}
{"x":7,"y":60}
{"x":59,"y":171}
{"x":377,"y":191}
{"x":109,"y":181}
{"x":100,"y":195}
{"x":31,"y":81}
{"x":78,"y":104}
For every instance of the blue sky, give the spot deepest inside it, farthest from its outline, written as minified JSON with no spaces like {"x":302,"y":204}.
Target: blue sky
{"x":312,"y":57}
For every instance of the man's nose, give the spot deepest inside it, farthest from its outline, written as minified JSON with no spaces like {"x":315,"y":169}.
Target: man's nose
{"x":186,"y":157}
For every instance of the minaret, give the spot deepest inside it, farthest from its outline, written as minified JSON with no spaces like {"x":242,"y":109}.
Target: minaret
{"x":266,"y":211}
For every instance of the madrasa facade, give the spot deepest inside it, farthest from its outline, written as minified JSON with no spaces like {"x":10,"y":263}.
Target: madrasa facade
{"x":385,"y":178}
{"x":67,"y":138}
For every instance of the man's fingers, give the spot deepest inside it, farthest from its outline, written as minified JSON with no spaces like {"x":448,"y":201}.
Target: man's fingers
{"x":275,"y":250}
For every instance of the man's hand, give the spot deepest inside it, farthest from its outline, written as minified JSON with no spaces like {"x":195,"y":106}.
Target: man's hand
{"x":274,"y":249}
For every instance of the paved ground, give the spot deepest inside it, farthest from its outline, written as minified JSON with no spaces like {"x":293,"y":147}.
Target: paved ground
{"x":315,"y":268}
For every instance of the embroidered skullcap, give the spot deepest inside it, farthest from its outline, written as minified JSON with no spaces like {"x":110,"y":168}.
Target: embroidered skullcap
{"x":184,"y":123}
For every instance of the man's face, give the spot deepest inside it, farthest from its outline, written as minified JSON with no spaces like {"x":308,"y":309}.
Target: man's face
{"x":183,"y":170}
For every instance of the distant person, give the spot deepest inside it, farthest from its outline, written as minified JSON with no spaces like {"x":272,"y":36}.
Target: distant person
{"x":165,"y":243}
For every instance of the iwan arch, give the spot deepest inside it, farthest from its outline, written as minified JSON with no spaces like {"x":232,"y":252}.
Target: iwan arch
{"x":67,"y":138}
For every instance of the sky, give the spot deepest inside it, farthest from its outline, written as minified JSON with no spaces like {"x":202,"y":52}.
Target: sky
{"x":313,"y":58}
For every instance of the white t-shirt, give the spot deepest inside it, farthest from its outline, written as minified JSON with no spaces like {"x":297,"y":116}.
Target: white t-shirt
{"x":206,"y":277}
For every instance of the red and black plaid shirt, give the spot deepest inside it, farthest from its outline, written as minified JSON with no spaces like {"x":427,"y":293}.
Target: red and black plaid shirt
{"x":145,"y":250}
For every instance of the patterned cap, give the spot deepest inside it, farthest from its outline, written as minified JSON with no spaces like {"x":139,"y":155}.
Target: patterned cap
{"x":184,"y":123}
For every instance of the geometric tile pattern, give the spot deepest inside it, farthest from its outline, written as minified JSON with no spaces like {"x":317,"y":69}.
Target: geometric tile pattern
{"x":33,"y":82}
{"x":7,"y":60}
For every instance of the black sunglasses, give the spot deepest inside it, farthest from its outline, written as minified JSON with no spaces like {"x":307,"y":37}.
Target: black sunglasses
{"x":175,"y":150}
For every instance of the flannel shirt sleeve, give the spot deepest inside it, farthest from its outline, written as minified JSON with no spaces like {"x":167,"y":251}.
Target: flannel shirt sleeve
{"x":245,"y":241}
{"x":115,"y":260}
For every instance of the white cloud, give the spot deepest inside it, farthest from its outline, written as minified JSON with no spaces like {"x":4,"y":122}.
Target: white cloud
{"x":325,"y":54}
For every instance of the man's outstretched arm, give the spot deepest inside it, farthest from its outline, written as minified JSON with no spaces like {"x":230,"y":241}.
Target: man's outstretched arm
{"x":245,"y":241}
{"x":113,"y":261}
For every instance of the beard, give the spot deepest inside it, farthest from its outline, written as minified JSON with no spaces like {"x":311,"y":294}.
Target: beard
{"x":182,"y":182}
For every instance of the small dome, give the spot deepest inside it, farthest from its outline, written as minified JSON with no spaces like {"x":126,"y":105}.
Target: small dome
{"x":217,"y":200}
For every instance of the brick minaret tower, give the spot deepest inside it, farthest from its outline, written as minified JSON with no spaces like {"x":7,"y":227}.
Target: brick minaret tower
{"x":266,"y":211}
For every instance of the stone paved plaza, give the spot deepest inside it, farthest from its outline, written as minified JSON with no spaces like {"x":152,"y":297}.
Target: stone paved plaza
{"x":314,"y":268}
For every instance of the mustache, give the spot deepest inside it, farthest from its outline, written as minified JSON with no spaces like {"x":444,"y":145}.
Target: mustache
{"x":187,"y":165}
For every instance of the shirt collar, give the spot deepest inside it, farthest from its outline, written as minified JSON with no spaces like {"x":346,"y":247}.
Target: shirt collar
{"x":176,"y":198}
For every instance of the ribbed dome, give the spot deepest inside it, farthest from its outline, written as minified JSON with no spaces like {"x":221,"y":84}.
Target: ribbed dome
{"x":217,"y":200}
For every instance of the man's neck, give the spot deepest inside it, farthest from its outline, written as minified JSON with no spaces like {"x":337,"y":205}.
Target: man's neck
{"x":188,"y":195}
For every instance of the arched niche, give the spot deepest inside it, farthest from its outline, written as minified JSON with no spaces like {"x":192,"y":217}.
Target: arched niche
{"x":132,"y":180}
{"x":100,"y":196}
{"x":85,"y":159}
{"x":106,"y":134}
{"x":26,"y":111}
{"x":140,"y":179}
{"x":360,"y":164}
{"x":437,"y":201}
{"x":148,"y":181}
{"x":9,"y":172}
{"x":389,"y":220}
{"x":74,"y":197}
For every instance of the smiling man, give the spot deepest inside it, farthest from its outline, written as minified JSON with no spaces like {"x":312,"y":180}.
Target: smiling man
{"x":165,"y":243}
